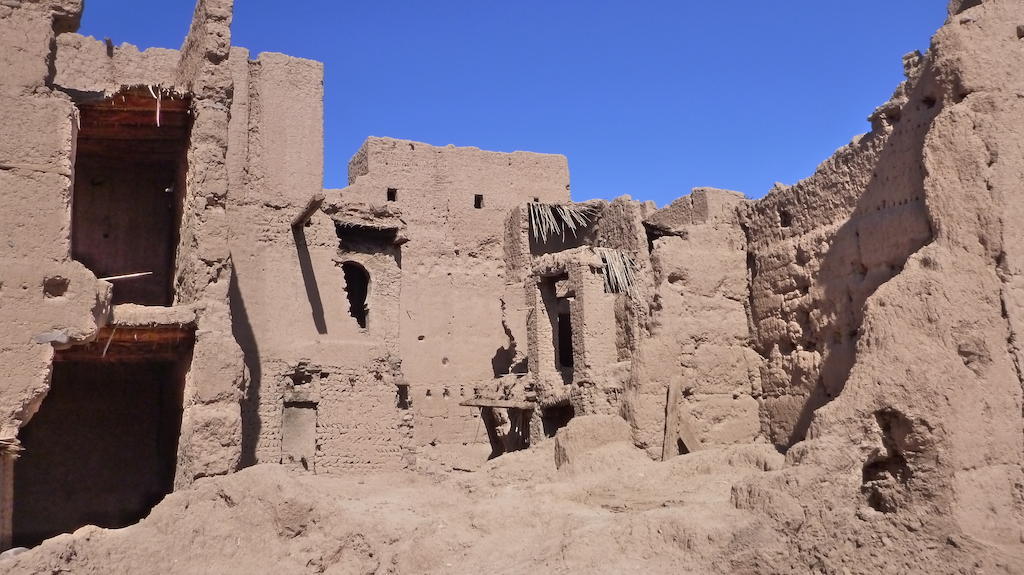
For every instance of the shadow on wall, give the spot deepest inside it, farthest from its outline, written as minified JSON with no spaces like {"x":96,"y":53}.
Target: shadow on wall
{"x":241,"y":329}
{"x":503,"y":362}
{"x":309,"y":279}
{"x":889,"y":224}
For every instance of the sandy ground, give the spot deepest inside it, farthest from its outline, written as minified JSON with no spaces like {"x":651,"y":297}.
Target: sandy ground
{"x":516,"y":513}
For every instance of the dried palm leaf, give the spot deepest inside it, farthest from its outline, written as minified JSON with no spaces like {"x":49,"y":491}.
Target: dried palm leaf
{"x":619,"y":271}
{"x":548,"y":220}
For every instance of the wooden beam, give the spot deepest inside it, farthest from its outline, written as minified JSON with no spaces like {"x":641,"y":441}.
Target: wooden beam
{"x":312,"y":205}
{"x":501,"y":403}
{"x":120,"y":343}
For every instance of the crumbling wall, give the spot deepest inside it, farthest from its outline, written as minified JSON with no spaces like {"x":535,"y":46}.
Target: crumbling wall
{"x":696,"y":351}
{"x":819,"y":249}
{"x":922,"y":449}
{"x":89,"y":69}
{"x":210,"y":440}
{"x":455,"y":304}
{"x":570,"y":286}
{"x":93,"y":67}
{"x":45,"y":75}
{"x":36,"y":171}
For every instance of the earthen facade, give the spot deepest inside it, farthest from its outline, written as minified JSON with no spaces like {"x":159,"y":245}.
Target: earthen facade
{"x":180,"y":298}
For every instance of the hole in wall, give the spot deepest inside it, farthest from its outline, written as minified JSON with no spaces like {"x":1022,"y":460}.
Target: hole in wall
{"x":301,"y":376}
{"x":55,"y":286}
{"x":392,"y":194}
{"x":681,"y":447}
{"x":129,"y":154}
{"x":785,"y":218}
{"x":556,"y":417}
{"x":102,"y":449}
{"x":357,"y":286}
{"x":886,"y":474}
{"x":402,"y":400}
{"x":478,"y":201}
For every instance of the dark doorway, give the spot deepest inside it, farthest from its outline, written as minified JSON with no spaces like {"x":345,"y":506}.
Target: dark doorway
{"x":556,"y":417}
{"x":129,"y":182}
{"x":357,"y":285}
{"x":101,"y":450}
{"x":565,"y":340}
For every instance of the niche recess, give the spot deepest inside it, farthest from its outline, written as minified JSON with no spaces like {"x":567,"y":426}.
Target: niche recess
{"x":129,"y":181}
{"x":102,"y":448}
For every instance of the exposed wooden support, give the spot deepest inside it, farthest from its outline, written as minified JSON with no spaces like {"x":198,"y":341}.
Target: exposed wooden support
{"x":312,"y":206}
{"x":133,"y":344}
{"x":126,"y":276}
{"x":8,"y":453}
{"x":500,"y":403}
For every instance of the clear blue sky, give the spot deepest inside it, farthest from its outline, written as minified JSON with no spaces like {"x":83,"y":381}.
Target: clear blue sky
{"x":645,"y":97}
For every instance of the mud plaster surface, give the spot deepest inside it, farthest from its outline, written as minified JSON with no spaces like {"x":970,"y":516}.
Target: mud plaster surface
{"x":863,"y":322}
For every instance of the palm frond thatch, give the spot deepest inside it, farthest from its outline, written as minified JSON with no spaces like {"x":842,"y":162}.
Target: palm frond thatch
{"x":619,"y":271}
{"x":548,"y":220}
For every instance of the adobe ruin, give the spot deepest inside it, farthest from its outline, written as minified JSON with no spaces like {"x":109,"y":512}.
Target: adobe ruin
{"x":182,"y":299}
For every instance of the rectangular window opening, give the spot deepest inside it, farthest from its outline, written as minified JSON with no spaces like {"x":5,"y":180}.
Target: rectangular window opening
{"x":129,"y":186}
{"x":102,"y":449}
{"x":392,"y":194}
{"x":478,"y":201}
{"x":556,"y":297}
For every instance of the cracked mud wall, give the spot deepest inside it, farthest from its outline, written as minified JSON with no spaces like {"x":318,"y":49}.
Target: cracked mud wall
{"x":921,"y":452}
{"x":452,"y":321}
{"x":819,"y":249}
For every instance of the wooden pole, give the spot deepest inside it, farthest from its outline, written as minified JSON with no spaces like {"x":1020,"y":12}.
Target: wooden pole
{"x":127,"y":276}
{"x":312,"y":205}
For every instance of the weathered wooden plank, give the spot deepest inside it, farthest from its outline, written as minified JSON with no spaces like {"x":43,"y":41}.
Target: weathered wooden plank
{"x":501,"y":403}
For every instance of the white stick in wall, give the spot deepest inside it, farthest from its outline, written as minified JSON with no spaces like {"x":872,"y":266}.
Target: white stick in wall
{"x":109,"y":339}
{"x":127,"y":276}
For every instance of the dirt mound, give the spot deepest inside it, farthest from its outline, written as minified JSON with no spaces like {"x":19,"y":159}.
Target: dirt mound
{"x":516,"y":514}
